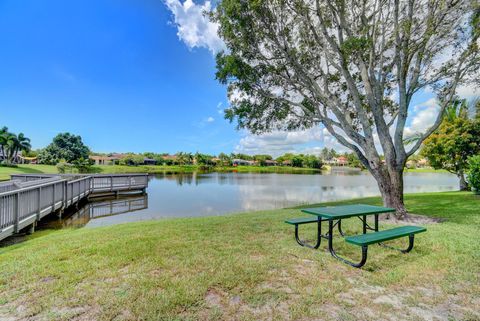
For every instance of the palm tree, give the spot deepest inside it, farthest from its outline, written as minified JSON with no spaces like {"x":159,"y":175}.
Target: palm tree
{"x":458,"y":109}
{"x":184,"y":158}
{"x":23,"y":144}
{"x":12,"y":144}
{"x":3,"y":139}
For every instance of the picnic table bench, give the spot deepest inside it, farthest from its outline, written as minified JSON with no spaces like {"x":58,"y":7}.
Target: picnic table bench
{"x":334,"y":215}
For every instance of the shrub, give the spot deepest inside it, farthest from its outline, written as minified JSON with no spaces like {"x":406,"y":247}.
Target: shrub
{"x":83,"y":165}
{"x":64,"y":167}
{"x":474,"y":173}
{"x":6,"y":163}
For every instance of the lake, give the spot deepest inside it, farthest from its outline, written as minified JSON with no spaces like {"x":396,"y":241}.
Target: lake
{"x":203,"y":194}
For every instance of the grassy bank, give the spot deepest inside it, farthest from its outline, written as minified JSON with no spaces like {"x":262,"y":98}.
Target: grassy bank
{"x":152,"y":169}
{"x":158,"y":169}
{"x":425,"y":170}
{"x":244,"y":267}
{"x":5,"y":172}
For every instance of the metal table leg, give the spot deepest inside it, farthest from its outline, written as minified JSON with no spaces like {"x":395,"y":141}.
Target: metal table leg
{"x":332,"y":251}
{"x":319,"y":236}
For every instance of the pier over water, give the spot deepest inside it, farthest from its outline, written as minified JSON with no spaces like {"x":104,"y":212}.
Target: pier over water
{"x":27,"y":198}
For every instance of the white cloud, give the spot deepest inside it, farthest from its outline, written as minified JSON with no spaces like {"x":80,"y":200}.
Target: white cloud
{"x":195,"y":28}
{"x":468,"y":91}
{"x":219,"y":108}
{"x":210,"y":119}
{"x":424,"y":116}
{"x":280,"y":142}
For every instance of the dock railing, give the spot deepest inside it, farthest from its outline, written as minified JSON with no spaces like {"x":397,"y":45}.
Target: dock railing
{"x":29,"y":197}
{"x":23,"y":206}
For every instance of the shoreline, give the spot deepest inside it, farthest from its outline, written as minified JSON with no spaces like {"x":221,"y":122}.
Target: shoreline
{"x":160,"y":169}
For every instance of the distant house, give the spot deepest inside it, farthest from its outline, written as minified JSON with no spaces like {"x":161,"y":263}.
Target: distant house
{"x":242,"y":162}
{"x":269,"y":162}
{"x":411,"y":164}
{"x":104,"y":160}
{"x":170,"y":158}
{"x":422,"y":163}
{"x":339,"y":161}
{"x":287,"y":162}
{"x":27,"y":160}
{"x":149,"y":161}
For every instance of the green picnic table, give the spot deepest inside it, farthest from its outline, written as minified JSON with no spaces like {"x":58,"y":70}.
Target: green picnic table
{"x":334,"y":216}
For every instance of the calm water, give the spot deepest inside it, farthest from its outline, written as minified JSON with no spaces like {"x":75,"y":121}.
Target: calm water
{"x":201,"y":194}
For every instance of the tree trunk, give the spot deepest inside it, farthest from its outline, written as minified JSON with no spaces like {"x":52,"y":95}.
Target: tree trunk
{"x":390,"y":184}
{"x":463,"y":184}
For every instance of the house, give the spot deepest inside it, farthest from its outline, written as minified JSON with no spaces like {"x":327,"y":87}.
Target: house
{"x":422,"y":163}
{"x":340,"y":161}
{"x":149,"y":161}
{"x":27,"y":160}
{"x":242,"y":162}
{"x":104,"y":160}
{"x":270,"y":162}
{"x":287,"y":162}
{"x":411,"y":164}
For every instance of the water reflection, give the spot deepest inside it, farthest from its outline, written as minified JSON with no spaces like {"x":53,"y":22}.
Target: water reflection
{"x":200,"y":194}
{"x":98,"y":208}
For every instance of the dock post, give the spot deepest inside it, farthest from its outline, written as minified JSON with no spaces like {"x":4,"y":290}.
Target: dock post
{"x":30,"y":229}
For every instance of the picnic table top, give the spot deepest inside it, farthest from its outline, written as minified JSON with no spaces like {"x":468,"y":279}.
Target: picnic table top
{"x":346,"y":211}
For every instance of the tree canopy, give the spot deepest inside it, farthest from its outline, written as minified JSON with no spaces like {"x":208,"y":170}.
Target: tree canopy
{"x":65,"y":146}
{"x":454,"y":141}
{"x":352,"y":66}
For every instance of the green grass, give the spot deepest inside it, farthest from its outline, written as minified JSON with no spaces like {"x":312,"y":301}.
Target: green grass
{"x":245,"y":267}
{"x":192,"y":168}
{"x":5,"y":172}
{"x":159,"y":169}
{"x":424,"y":170}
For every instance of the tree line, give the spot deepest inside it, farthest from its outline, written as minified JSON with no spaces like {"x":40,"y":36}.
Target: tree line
{"x":224,"y":159}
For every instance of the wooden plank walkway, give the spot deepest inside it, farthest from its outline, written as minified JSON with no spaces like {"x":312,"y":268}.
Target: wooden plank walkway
{"x":27,"y":198}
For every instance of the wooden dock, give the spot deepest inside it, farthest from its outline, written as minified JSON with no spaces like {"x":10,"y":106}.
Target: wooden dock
{"x":27,"y":198}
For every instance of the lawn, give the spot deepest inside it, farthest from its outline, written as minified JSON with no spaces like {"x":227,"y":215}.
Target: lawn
{"x":425,"y":170}
{"x":245,"y":267}
{"x":5,"y":172}
{"x":151,"y":169}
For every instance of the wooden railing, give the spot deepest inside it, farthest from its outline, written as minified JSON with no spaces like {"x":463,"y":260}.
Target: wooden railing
{"x":23,"y":206}
{"x":8,"y":186}
{"x":119,"y":182}
{"x":27,"y":198}
{"x":77,"y":189}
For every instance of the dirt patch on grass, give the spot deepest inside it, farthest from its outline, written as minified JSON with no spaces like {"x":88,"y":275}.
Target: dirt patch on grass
{"x":410,"y":219}
{"x":418,"y":303}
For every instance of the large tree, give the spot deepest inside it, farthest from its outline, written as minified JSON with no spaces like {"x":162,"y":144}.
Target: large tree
{"x":65,"y":146}
{"x":352,"y":66}
{"x":457,"y":139}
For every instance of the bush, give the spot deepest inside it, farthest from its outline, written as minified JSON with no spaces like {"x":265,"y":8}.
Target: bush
{"x":64,"y":167}
{"x":474,"y":173}
{"x":6,"y":163}
{"x":83,"y":165}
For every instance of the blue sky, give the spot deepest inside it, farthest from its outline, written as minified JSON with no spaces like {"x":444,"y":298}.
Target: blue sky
{"x":126,"y":75}
{"x":114,"y":72}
